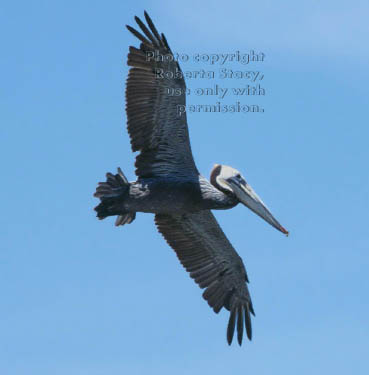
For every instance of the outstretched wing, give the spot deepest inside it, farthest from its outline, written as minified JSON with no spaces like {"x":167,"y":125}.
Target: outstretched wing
{"x":156,"y":94}
{"x":205,"y":252}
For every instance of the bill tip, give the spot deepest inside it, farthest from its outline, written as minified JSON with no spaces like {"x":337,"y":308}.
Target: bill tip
{"x":286,"y":232}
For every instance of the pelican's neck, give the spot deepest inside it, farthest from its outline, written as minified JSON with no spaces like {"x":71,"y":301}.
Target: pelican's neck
{"x":215,"y":198}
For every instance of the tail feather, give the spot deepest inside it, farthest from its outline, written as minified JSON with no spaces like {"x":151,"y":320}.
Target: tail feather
{"x":111,"y":194}
{"x":125,"y":219}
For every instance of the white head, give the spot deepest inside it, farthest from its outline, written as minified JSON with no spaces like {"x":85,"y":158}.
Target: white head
{"x":230,"y":181}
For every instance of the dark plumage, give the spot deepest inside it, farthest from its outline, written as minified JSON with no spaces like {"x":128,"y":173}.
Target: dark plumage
{"x":205,"y":252}
{"x":170,"y":186}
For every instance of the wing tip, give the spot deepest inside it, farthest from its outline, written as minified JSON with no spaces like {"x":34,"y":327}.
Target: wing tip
{"x":240,"y":314}
{"x":231,"y":326}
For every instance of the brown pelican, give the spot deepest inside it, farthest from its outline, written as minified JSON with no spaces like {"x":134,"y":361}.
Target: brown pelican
{"x":170,"y":186}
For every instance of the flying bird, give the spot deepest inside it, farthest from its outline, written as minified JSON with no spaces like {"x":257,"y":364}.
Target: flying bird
{"x":170,"y":186}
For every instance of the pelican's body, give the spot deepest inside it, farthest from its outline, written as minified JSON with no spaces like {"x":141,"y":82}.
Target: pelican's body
{"x":175,"y":196}
{"x":170,"y":186}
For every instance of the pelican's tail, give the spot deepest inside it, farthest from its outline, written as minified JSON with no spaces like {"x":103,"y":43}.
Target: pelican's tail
{"x":112,"y":194}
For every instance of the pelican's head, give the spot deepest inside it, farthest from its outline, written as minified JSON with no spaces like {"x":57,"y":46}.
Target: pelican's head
{"x":230,"y":181}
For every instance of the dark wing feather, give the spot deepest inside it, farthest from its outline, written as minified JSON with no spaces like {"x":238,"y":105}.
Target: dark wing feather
{"x":205,"y":252}
{"x":154,"y":124}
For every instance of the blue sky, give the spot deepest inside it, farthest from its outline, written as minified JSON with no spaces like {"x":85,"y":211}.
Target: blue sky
{"x":80,"y":296}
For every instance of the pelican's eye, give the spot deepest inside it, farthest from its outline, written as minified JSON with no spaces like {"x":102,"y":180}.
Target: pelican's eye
{"x":239,"y":178}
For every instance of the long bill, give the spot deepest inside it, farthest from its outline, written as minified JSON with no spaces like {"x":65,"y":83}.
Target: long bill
{"x":250,"y":199}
